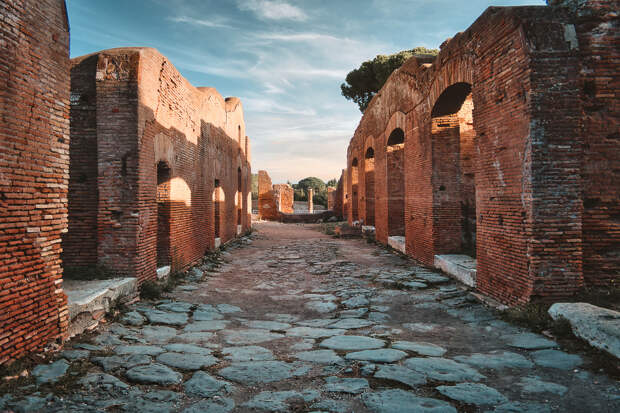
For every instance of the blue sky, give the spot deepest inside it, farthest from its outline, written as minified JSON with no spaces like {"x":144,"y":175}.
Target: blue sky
{"x":285,"y":59}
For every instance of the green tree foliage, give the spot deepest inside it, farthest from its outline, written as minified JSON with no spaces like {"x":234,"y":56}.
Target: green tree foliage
{"x":364,"y":82}
{"x":319,"y":187}
{"x":332,"y":183}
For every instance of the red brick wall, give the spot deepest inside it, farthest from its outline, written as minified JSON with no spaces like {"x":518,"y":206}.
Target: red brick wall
{"x":331,"y":198}
{"x":273,"y":199}
{"x":79,"y":244}
{"x":339,"y":201}
{"x":34,"y":163}
{"x":267,"y":205}
{"x":598,"y":37}
{"x":395,"y":161}
{"x":369,"y":191}
{"x":517,"y":163}
{"x":146,"y":114}
{"x":446,"y":181}
{"x":285,"y":197}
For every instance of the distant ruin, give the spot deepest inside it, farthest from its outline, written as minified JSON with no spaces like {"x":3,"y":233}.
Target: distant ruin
{"x":505,"y":149}
{"x":276,"y":203}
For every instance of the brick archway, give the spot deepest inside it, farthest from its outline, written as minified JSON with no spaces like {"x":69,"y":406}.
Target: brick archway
{"x":369,"y":186}
{"x":395,"y":168}
{"x":355,"y":189}
{"x":163,"y":214}
{"x":453,"y":177}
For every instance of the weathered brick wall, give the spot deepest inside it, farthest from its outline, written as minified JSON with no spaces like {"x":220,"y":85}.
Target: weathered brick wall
{"x":273,"y":200}
{"x":79,"y":244}
{"x":267,"y":205}
{"x":147,"y":115}
{"x":285,"y":197}
{"x":499,"y":173}
{"x":599,"y":38}
{"x":34,"y":164}
{"x":331,"y":198}
{"x":339,"y":200}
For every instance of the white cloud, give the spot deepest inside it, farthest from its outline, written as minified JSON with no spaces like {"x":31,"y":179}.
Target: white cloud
{"x":298,"y":37}
{"x":273,"y":10}
{"x":215,"y":23}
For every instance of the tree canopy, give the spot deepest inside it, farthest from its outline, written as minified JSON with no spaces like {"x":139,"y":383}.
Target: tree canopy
{"x":320,"y":190}
{"x":363,"y":83}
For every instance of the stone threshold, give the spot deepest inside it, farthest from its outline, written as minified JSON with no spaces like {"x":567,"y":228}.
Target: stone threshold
{"x":461,"y":267}
{"x":397,"y":242}
{"x":90,"y":301}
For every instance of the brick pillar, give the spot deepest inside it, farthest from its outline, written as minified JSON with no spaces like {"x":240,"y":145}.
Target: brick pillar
{"x":310,"y":203}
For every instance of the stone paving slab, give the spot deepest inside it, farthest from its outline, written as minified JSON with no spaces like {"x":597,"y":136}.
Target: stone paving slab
{"x":296,"y":320}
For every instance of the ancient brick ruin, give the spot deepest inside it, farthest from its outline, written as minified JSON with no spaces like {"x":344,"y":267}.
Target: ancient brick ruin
{"x":34,"y":166}
{"x":160,"y":169}
{"x":273,"y":200}
{"x":504,"y":148}
{"x":133,"y":169}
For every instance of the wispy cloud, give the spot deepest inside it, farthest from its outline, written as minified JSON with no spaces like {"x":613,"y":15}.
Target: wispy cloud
{"x":285,"y":59}
{"x":298,"y":37}
{"x":215,"y":23}
{"x":273,"y":10}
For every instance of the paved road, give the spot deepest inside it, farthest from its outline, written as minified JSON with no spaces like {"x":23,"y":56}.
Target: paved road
{"x":294,"y":320}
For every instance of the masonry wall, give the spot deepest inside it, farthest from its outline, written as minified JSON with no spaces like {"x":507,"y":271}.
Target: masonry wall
{"x":34,"y":163}
{"x":274,"y":200}
{"x":340,"y":198}
{"x":147,"y":115}
{"x":518,"y":162}
{"x":331,"y":198}
{"x":267,"y":205}
{"x":598,"y":35}
{"x":285,"y":197}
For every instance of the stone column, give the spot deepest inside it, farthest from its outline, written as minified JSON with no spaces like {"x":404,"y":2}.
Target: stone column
{"x":310,"y":203}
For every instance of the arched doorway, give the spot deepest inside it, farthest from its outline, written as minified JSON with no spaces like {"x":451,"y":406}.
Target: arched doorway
{"x":369,"y":186}
{"x":354,"y":190}
{"x":239,"y":201}
{"x":217,"y":211}
{"x":395,"y":159}
{"x":454,"y":190}
{"x":163,"y":215}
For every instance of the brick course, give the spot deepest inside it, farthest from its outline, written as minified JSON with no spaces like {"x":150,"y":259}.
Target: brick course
{"x":34,"y":163}
{"x":510,"y":153}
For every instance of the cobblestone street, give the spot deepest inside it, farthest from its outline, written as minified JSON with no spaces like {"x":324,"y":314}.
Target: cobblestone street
{"x":295,"y":320}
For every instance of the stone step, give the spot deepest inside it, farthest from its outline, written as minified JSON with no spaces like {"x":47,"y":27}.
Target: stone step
{"x":90,"y":301}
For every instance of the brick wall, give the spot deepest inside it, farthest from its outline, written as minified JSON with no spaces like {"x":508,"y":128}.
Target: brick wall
{"x":598,"y":35}
{"x":285,"y":197}
{"x":331,"y":198}
{"x":147,"y":115}
{"x":339,"y":201}
{"x":34,"y":164}
{"x":267,"y":205}
{"x":507,"y":172}
{"x":273,"y":200}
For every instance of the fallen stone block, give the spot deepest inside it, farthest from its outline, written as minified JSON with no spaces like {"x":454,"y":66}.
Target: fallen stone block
{"x":598,"y":326}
